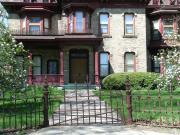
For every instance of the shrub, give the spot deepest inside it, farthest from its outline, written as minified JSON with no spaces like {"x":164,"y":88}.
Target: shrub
{"x":138,"y":80}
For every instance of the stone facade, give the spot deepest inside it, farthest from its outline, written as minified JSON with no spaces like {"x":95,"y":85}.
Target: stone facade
{"x":116,"y":44}
{"x":14,"y":22}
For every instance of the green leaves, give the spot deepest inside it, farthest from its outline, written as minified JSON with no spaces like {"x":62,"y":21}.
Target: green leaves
{"x":13,"y":74}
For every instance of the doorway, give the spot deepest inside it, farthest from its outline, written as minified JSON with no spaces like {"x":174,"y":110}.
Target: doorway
{"x":78,"y":65}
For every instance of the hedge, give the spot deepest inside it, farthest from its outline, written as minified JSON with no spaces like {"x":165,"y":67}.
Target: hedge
{"x":138,"y":80}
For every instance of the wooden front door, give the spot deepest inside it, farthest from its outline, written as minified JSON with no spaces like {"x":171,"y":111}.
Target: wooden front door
{"x":78,"y":67}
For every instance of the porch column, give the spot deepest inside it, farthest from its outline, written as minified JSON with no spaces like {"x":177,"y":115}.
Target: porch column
{"x":61,"y":68}
{"x":30,"y":70}
{"x":96,"y":67}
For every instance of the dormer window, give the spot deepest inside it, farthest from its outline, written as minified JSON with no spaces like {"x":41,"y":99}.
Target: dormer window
{"x":79,"y":22}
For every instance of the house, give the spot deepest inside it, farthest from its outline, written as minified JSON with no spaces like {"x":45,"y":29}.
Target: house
{"x":78,"y":40}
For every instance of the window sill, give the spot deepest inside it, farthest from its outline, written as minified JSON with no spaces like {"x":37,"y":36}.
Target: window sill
{"x":106,"y":36}
{"x":130,"y":36}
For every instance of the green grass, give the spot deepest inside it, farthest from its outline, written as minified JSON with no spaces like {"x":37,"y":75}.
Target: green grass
{"x":27,"y":110}
{"x":149,"y":106}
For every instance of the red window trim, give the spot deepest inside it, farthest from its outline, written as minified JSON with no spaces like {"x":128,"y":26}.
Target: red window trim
{"x":84,"y":30}
{"x":161,"y":27}
{"x":42,"y":28}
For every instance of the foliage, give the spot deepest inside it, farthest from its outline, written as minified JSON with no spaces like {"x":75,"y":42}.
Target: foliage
{"x":138,"y":80}
{"x":13,"y":73}
{"x":170,"y":59}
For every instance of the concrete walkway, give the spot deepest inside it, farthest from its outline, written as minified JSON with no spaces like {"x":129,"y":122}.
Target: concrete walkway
{"x":83,"y":107}
{"x":105,"y":130}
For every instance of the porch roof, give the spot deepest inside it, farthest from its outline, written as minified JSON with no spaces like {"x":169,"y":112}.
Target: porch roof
{"x":72,"y":39}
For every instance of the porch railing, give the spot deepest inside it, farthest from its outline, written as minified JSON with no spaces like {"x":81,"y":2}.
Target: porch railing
{"x":36,"y":32}
{"x":52,"y":79}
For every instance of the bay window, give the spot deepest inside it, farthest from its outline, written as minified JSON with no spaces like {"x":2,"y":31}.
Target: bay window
{"x":129,"y":62}
{"x":37,"y":65}
{"x":79,"y":22}
{"x":38,"y":25}
{"x":104,"y":23}
{"x":104,"y":64}
{"x":34,"y":25}
{"x":129,"y":24}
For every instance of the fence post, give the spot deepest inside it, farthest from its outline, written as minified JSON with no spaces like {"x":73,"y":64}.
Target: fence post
{"x":129,"y":102}
{"x":45,"y":100}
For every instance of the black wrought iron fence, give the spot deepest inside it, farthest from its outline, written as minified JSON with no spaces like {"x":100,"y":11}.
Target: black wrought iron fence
{"x":50,"y":106}
{"x":28,"y":109}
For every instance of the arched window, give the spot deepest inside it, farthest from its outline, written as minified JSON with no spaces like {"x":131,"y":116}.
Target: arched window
{"x":129,"y":62}
{"x":104,"y":64}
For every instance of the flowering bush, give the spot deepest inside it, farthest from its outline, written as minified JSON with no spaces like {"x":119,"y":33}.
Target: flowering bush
{"x":13,"y":73}
{"x":170,"y":60}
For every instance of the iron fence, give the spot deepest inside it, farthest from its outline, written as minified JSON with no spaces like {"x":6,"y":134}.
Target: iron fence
{"x":85,"y":106}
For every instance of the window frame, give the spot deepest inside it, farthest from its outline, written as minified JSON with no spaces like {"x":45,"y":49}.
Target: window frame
{"x":37,"y":66}
{"x":41,"y":24}
{"x":108,"y":23}
{"x":133,"y":24}
{"x":168,"y":26}
{"x":52,"y":60}
{"x":72,"y":23}
{"x":134,"y":62}
{"x":108,"y":64}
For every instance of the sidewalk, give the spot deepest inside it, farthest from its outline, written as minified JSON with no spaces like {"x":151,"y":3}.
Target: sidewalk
{"x":106,"y":130}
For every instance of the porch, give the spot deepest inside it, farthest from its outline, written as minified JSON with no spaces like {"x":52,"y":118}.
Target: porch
{"x":64,"y":67}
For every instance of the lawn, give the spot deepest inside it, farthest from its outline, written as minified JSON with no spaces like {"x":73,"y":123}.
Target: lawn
{"x":148,"y":106}
{"x":27,"y":110}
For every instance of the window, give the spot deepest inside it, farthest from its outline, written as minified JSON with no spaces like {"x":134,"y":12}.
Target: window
{"x":79,"y":22}
{"x":156,"y":66}
{"x":156,"y":33}
{"x":36,"y":65}
{"x":46,"y":25}
{"x":104,"y":64}
{"x":38,"y":25}
{"x":34,"y":25}
{"x":52,"y":67}
{"x":87,"y":22}
{"x":168,"y":25}
{"x":104,"y":23}
{"x":129,"y":24}
{"x":130,"y":62}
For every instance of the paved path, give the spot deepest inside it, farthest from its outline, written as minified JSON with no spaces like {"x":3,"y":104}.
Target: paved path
{"x":83,"y":107}
{"x":105,"y":130}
